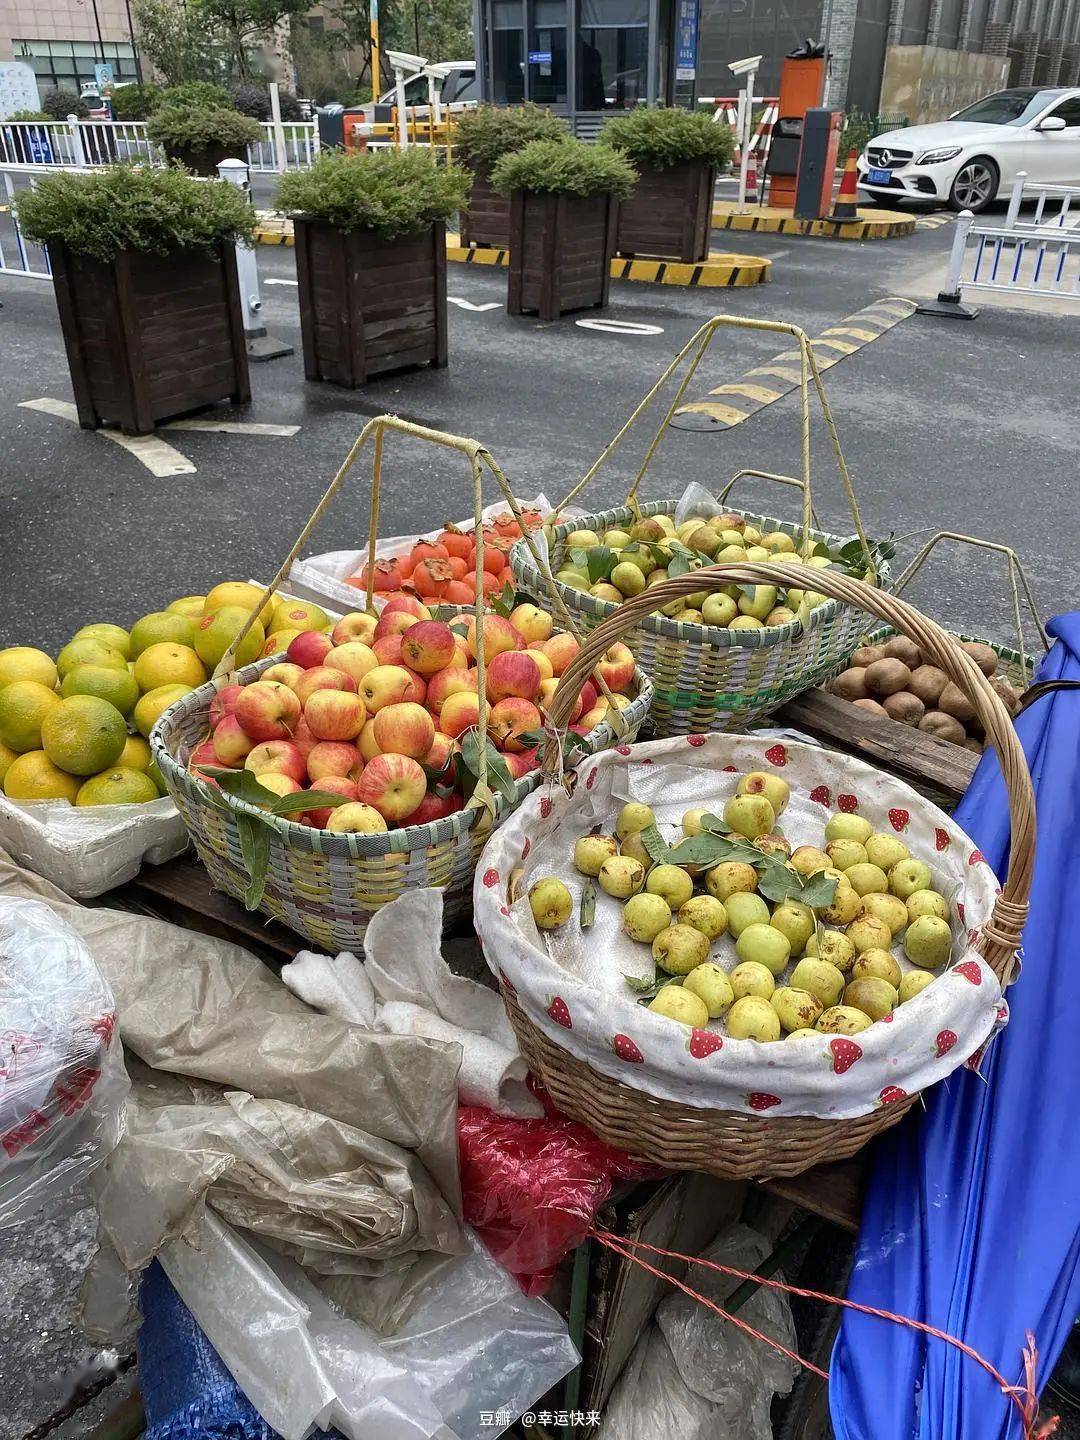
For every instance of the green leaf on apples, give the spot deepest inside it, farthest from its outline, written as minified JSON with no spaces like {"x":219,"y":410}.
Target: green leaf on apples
{"x":656,"y":847}
{"x":601,"y":561}
{"x":254,"y":837}
{"x":305,"y":800}
{"x":817,"y":889}
{"x":503,"y":603}
{"x":779,"y":883}
{"x":587,"y":910}
{"x":679,"y":565}
{"x":467,"y":764}
{"x":647,"y":987}
{"x":242,"y":785}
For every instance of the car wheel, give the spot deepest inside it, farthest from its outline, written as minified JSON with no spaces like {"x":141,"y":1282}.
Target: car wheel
{"x":975,"y":185}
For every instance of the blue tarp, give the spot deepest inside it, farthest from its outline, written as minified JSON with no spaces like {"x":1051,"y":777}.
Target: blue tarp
{"x":972,"y":1215}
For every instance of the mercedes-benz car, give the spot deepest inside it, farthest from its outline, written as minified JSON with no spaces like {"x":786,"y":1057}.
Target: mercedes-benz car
{"x":972,"y":159}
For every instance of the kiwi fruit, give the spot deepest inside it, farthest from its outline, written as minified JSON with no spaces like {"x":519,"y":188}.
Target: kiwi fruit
{"x":886,"y":677}
{"x":866,"y":655}
{"x":902,"y":648}
{"x":954,"y":702}
{"x":872,"y":707}
{"x":905,"y":707}
{"x":944,"y":727}
{"x":927,"y":682}
{"x":985,"y":658}
{"x":975,"y":746}
{"x":851,"y":685}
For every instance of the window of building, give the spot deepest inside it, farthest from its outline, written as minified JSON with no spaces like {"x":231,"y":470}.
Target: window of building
{"x":70,"y":63}
{"x":547,"y":52}
{"x":508,"y":52}
{"x":613,"y":54}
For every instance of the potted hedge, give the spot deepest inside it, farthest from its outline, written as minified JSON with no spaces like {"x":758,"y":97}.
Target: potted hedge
{"x":481,"y":138}
{"x":201,"y":138}
{"x":676,"y":154}
{"x":371,"y":260}
{"x":144,"y":269}
{"x":564,"y":207}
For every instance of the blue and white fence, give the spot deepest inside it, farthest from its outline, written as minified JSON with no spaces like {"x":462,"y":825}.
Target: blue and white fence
{"x":85,"y":144}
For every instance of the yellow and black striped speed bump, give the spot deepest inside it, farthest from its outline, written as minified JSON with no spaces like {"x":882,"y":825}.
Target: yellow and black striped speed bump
{"x":718,"y":270}
{"x":274,"y":232}
{"x":933,"y":222}
{"x":731,"y":404}
{"x":766,"y":220}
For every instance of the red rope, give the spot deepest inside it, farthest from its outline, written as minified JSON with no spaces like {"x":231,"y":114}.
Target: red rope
{"x":1023,"y":1397}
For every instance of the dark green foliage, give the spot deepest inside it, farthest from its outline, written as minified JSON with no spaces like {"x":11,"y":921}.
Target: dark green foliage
{"x":482,"y":136}
{"x":568,"y":165}
{"x":389,"y":191}
{"x":126,"y":207}
{"x":135,"y":102}
{"x":196,"y":129}
{"x":659,"y":139}
{"x":253,"y":100}
{"x":62,"y":102}
{"x":29,"y":115}
{"x":196,"y":95}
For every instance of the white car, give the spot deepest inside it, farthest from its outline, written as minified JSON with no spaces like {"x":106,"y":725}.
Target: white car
{"x":972,"y":158}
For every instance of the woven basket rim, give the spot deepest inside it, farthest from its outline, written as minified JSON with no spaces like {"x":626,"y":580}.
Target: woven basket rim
{"x":717,"y":636}
{"x":330,"y":842}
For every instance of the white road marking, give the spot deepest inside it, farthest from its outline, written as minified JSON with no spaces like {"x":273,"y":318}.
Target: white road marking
{"x":775,"y":254}
{"x":231,"y":427}
{"x":159,"y":457}
{"x":620,"y":327}
{"x":468,"y":304}
{"x":281,"y":282}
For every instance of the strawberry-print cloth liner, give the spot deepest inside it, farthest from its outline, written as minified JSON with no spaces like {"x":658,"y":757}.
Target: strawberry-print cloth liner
{"x":570,"y":982}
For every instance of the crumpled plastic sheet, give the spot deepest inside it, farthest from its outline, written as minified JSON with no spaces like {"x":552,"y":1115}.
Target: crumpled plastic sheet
{"x":62,"y":1077}
{"x":696,"y":1375}
{"x":531,"y":1188}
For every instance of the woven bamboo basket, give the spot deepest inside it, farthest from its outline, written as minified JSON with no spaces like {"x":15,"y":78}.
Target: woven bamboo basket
{"x":708,"y":677}
{"x":322,"y":884}
{"x":739,"y":1146}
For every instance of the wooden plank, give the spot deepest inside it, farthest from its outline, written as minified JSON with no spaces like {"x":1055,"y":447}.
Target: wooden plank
{"x":241,"y":376}
{"x":835,"y":1192}
{"x":305,"y":281}
{"x":74,"y":343}
{"x":139,"y":416}
{"x":516,"y":278}
{"x":440,"y":357}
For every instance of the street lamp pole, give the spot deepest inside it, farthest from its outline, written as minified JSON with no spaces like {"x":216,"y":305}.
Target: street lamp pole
{"x":134,"y":43}
{"x":97,"y":24}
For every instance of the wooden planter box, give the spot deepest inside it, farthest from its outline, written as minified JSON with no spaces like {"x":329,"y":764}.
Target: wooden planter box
{"x":486,"y":219}
{"x":669,"y":213}
{"x":150,"y":336}
{"x":560,"y":252}
{"x":202,"y":160}
{"x":368,"y":304}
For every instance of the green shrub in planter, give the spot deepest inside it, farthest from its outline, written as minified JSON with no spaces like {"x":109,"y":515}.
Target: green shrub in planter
{"x":568,"y":166}
{"x":212,"y":127}
{"x":61,"y":102}
{"x":29,"y":115}
{"x":135,"y":102}
{"x":658,"y":139}
{"x":123,"y":207}
{"x":391,"y":192}
{"x":198,"y":94}
{"x":482,"y":136}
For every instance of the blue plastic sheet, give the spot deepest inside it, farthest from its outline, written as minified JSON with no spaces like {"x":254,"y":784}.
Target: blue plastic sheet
{"x":972,"y":1216}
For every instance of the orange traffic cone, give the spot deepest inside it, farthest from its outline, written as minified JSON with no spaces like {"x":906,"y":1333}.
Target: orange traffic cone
{"x":846,"y":205}
{"x":751,"y":180}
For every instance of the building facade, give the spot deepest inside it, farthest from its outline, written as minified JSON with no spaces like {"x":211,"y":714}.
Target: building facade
{"x":62,"y":40}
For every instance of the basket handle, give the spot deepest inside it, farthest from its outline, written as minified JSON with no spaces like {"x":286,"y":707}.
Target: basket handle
{"x":725,"y":490}
{"x":1000,"y":938}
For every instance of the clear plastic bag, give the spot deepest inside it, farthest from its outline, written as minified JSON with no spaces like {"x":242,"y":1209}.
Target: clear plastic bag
{"x":62,"y":1077}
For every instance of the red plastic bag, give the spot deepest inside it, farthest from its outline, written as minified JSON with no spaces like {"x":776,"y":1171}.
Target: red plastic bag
{"x":531,"y":1188}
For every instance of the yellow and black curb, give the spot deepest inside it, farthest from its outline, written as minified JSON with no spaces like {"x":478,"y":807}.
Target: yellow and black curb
{"x":768,"y":220}
{"x":731,"y":404}
{"x":719,"y":270}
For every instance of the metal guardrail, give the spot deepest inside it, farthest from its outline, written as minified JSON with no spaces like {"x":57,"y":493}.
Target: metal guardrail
{"x":86,"y":144}
{"x":17,"y":256}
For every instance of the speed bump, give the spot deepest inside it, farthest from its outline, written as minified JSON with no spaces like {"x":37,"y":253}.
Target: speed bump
{"x":718,"y":270}
{"x":770,"y":220}
{"x":729,"y":405}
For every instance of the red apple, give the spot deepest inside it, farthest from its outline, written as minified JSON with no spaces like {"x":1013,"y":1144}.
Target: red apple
{"x":394,"y":622}
{"x":446,"y":683}
{"x":590,"y":693}
{"x":310,"y":648}
{"x":224,"y":703}
{"x":277,"y":784}
{"x":499,"y":635}
{"x":354,"y":626}
{"x":409,"y":604}
{"x":393,"y":784}
{"x":439,"y":756}
{"x":388,"y":650}
{"x":204,"y":754}
{"x":231,"y":744}
{"x":333,"y":758}
{"x":547,"y":694}
{"x":330,"y":785}
{"x":354,"y":659}
{"x":520,"y":765}
{"x":335,"y":715}
{"x":531,"y":622}
{"x":285,"y":673}
{"x":513,"y":673}
{"x":404,"y":729}
{"x":460,"y":713}
{"x":277,"y":757}
{"x":510,"y":719}
{"x":617,"y":666}
{"x":366,"y":742}
{"x":303,"y":739}
{"x":560,"y":650}
{"x":385,"y":685}
{"x":428,"y":646}
{"x":417,"y":691}
{"x":322,"y":677}
{"x":433,"y":807}
{"x":267,"y":710}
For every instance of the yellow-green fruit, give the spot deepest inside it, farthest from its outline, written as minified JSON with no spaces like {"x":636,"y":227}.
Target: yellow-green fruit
{"x":648,"y":528}
{"x":691,"y":822}
{"x":869,"y":933}
{"x":804,"y":1035}
{"x":775,"y":790}
{"x":757,"y":552}
{"x":119,"y":786}
{"x":627,"y":579}
{"x":887,"y":908}
{"x":795,"y":921}
{"x":746,"y":622}
{"x":114,"y":636}
{"x":644,"y":916}
{"x":621,"y":876}
{"x":190,"y":605}
{"x":23,"y":662}
{"x":83,"y":735}
{"x":675,"y":1002}
{"x":7,"y":759}
{"x":885,"y":851}
{"x":776,"y":542}
{"x":169,"y":664}
{"x":796,"y":1009}
{"x":242,"y":593}
{"x":617,"y":539}
{"x":749,"y":815}
{"x":774,"y":844}
{"x":135,"y":754}
{"x":159,"y":780}
{"x":824,"y":981}
{"x":643,"y":559}
{"x":752,"y":1018}
{"x":154,"y":703}
{"x":730,"y":554}
{"x":867,"y":879}
{"x":832,"y":946}
{"x":928,"y":942}
{"x":575,"y":579}
{"x":162,"y":627}
{"x":719,"y":610}
{"x":848,"y":827}
{"x":873,"y":997}
{"x":781,"y":616}
{"x":808,"y":859}
{"x":763,"y":945}
{"x":908,"y":877}
{"x":843,"y":1020}
{"x":743,"y":910}
{"x":759,"y":603}
{"x":582,"y":539}
{"x":926,"y":902}
{"x":671,"y":883}
{"x":678,"y":949}
{"x":634,"y":847}
{"x":705,"y":540}
{"x":287,"y":614}
{"x":730,"y":877}
{"x":550,"y":902}
{"x":751,"y":979}
{"x":591,"y":851}
{"x":33,"y":776}
{"x":845,"y":853}
{"x":633,"y":818}
{"x":88,"y":651}
{"x":118,"y":687}
{"x":844,"y":906}
{"x":216,"y":632}
{"x":24,"y":704}
{"x":704,"y":913}
{"x":877,"y":965}
{"x":712,"y":985}
{"x":914,"y":983}
{"x":603,"y":591}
